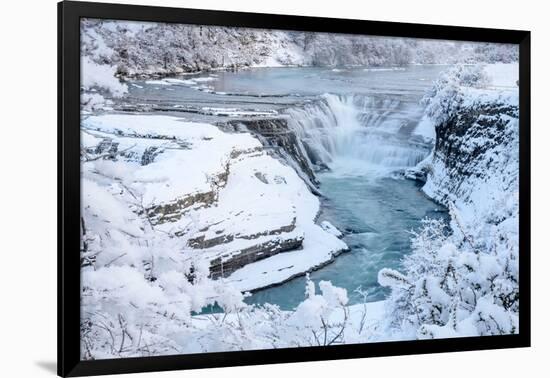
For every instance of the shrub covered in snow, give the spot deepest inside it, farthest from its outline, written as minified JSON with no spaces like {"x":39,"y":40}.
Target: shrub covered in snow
{"x":143,"y":278}
{"x":447,"y":94}
{"x":462,"y":279}
{"x":96,"y":82}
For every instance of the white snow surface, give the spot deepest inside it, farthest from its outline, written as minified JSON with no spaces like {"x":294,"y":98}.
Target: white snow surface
{"x":318,"y":250}
{"x":175,"y":172}
{"x":261,"y":194}
{"x":425,"y":129}
{"x":503,"y":75}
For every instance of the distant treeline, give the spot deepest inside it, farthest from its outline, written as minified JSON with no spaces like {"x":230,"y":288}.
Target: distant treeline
{"x":149,"y":49}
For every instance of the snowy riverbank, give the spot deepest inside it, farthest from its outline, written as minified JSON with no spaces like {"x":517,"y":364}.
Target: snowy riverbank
{"x":251,"y":218}
{"x":144,"y":49}
{"x":464,"y":281}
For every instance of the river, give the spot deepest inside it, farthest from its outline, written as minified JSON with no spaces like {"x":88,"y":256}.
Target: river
{"x":359,"y":129}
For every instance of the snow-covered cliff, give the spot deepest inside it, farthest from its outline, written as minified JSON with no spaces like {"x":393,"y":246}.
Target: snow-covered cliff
{"x":235,"y":208}
{"x":462,"y":280}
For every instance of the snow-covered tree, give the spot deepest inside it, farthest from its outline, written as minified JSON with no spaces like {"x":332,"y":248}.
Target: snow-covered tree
{"x":153,"y":49}
{"x":461,"y":279}
{"x":138,"y":284}
{"x":446,"y":95}
{"x":143,"y":288}
{"x":98,"y":81}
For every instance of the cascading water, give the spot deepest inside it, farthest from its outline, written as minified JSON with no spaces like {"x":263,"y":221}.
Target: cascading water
{"x":344,"y":130}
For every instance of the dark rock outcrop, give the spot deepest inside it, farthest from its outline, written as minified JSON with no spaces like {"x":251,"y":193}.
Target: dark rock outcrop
{"x":276,"y":135}
{"x":171,"y":212}
{"x":200,"y":242}
{"x":221,"y":267}
{"x":463,"y":143}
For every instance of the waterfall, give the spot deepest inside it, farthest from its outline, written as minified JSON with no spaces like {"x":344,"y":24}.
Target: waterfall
{"x":374,"y":132}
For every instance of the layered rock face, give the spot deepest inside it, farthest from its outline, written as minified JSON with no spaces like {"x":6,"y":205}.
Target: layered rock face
{"x":477,"y":145}
{"x":462,"y":279}
{"x":276,"y":134}
{"x":222,"y":194}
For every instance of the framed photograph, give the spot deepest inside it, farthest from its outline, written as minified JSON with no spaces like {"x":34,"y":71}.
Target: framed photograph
{"x":239,"y":188}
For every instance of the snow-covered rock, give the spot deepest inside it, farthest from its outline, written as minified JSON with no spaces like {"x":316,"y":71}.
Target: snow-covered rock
{"x":230,"y":202}
{"x":168,"y":205}
{"x":462,"y":280}
{"x":276,"y":134}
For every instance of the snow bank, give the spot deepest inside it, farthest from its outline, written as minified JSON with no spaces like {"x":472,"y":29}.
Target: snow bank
{"x":319,"y":248}
{"x":425,"y":129}
{"x":174,"y":173}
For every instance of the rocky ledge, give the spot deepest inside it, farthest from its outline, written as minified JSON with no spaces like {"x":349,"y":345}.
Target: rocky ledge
{"x":246,"y":214}
{"x":276,"y":135}
{"x":475,"y":144}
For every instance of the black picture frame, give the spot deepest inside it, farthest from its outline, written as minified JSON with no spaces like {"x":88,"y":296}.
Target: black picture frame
{"x":69,"y":14}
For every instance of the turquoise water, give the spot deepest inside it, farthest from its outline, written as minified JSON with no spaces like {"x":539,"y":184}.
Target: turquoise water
{"x":377,"y":215}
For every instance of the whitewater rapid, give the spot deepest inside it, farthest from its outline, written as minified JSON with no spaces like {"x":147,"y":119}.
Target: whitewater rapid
{"x":367,"y":132}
